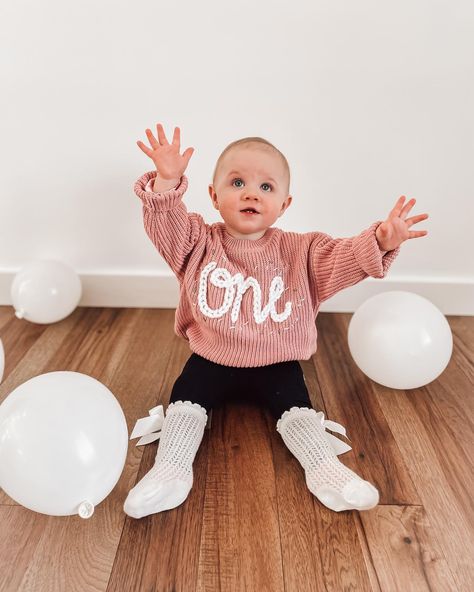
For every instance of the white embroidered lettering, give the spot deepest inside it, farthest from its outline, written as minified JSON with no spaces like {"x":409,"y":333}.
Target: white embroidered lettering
{"x":221,"y":278}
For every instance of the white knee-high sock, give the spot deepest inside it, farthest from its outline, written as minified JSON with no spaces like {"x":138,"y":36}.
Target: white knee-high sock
{"x":334,"y":484}
{"x":168,"y":483}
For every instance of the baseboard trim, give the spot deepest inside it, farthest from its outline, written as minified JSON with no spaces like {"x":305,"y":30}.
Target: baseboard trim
{"x":453,"y":296}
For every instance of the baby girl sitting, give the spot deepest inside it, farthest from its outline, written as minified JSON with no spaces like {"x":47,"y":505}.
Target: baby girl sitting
{"x":249,"y":296}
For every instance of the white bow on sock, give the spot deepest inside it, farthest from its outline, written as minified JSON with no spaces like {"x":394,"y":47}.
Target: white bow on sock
{"x":334,"y":484}
{"x":168,"y":483}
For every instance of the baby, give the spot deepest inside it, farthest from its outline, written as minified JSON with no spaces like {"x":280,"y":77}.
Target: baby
{"x":249,"y":296}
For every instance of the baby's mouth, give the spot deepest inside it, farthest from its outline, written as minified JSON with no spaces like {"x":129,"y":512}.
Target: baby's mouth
{"x":249,"y":211}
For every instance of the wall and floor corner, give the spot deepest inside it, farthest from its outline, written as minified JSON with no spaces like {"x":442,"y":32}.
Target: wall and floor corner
{"x":453,"y":296}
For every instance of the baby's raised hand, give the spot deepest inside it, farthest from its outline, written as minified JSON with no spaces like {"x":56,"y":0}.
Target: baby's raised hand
{"x":169,"y":163}
{"x":391,"y":233}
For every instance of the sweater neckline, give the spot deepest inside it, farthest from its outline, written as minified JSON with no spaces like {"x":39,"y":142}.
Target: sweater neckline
{"x":244,"y":243}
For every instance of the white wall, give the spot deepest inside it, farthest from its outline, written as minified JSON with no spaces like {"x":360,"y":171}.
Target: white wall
{"x":369,"y":100}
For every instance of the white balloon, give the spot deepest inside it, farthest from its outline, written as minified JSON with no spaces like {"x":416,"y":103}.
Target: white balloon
{"x":63,"y":443}
{"x":45,"y":291}
{"x":2,"y":360}
{"x":400,"y":339}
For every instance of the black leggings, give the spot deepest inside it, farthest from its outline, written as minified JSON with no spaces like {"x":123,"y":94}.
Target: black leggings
{"x":276,"y":386}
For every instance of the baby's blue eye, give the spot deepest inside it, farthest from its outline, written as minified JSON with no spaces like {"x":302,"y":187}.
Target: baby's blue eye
{"x":237,"y":179}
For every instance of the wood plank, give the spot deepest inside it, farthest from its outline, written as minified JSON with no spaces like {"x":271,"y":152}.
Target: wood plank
{"x":161,"y":551}
{"x":445,"y":512}
{"x":462,"y":329}
{"x":321,"y":549}
{"x":404,"y":551}
{"x":22,"y":531}
{"x":18,"y":336}
{"x":240,"y":540}
{"x":451,"y":434}
{"x":311,"y":559}
{"x":28,"y":349}
{"x":448,"y":400}
{"x":349,"y":399}
{"x":6,"y":314}
{"x":108,"y":344}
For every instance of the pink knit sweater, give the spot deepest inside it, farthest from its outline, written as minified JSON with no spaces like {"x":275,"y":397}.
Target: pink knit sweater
{"x":251,"y":303}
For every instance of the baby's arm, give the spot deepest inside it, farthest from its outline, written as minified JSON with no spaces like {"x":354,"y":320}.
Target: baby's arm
{"x":160,"y":185}
{"x":172,"y":230}
{"x":337,"y":263}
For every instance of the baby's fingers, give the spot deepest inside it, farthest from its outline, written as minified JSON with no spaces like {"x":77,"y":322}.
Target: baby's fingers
{"x":417,"y":233}
{"x":151,"y":138}
{"x":397,"y":208}
{"x":176,"y":136}
{"x":401,"y":209}
{"x":415,"y":219}
{"x":407,"y":207}
{"x":187,"y":154}
{"x":161,"y":134}
{"x":144,"y":148}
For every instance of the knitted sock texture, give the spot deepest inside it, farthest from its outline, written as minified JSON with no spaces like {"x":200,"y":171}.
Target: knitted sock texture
{"x":334,"y":484}
{"x":168,"y":483}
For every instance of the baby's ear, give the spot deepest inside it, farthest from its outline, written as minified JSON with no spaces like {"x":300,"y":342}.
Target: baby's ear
{"x":213,"y":195}
{"x":286,"y":203}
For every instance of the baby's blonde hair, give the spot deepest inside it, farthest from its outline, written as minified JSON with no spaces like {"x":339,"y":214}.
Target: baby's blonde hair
{"x":254,"y":140}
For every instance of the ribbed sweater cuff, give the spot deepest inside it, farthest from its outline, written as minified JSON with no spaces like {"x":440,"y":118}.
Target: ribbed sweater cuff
{"x":368,"y":254}
{"x":159,"y":202}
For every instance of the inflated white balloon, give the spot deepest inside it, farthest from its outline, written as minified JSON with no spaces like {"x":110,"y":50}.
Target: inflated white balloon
{"x":63,"y":443}
{"x":2,"y":360}
{"x":400,"y":339}
{"x":45,"y":291}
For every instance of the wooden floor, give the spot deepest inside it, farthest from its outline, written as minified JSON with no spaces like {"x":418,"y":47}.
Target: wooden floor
{"x":250,"y":523}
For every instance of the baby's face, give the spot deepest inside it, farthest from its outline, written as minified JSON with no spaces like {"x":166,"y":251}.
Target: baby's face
{"x":250,"y":177}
